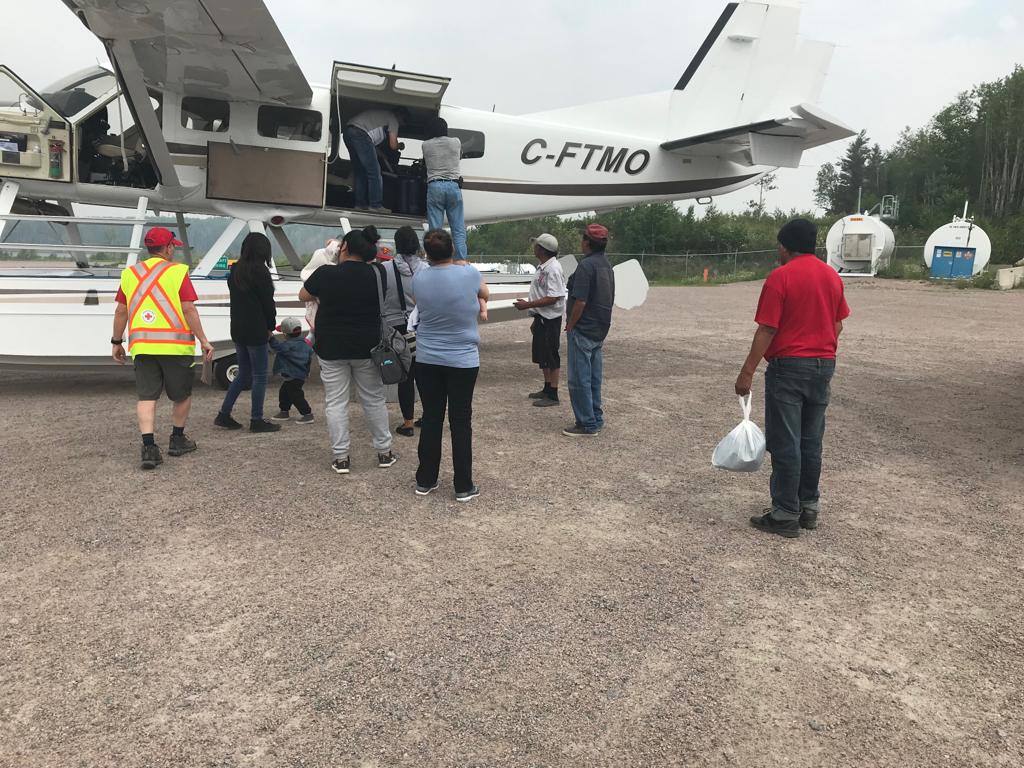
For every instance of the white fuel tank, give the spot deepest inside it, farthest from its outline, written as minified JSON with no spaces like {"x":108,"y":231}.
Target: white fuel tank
{"x":859,"y":245}
{"x":959,"y":249}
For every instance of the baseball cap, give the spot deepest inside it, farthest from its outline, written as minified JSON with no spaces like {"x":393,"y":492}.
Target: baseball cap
{"x":290,"y":325}
{"x":596,"y":232}
{"x":158,"y":237}
{"x":548,"y":242}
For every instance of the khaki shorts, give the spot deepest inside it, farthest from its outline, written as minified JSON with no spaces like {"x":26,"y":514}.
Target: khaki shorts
{"x":156,"y":373}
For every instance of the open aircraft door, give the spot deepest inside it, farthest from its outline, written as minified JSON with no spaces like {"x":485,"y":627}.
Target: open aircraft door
{"x":35,"y":140}
{"x":355,"y":88}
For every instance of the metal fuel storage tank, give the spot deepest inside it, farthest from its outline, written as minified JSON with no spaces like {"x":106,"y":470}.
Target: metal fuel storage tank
{"x":859,"y":245}
{"x":958,"y":250}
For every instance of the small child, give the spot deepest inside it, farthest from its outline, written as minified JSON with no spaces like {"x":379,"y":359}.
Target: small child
{"x":292,"y":356}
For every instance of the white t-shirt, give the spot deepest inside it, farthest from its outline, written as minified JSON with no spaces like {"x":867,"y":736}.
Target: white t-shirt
{"x":376,"y":123}
{"x":548,"y":281}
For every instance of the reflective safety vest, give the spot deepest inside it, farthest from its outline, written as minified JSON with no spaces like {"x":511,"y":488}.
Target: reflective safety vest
{"x":156,"y":325}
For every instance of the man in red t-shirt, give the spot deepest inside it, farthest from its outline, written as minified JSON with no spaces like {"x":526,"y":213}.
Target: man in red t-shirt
{"x":799,"y":318}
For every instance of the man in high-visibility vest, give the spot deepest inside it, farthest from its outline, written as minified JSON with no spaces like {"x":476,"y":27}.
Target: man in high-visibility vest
{"x":156,"y":303}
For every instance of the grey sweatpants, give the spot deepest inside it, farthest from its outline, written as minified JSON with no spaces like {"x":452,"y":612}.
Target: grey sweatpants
{"x":338,"y":377}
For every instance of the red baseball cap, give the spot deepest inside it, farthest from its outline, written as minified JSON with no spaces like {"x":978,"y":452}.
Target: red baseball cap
{"x":596,"y":232}
{"x":158,"y":237}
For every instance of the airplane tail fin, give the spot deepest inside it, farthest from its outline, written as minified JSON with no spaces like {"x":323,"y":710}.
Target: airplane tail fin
{"x":748,"y":93}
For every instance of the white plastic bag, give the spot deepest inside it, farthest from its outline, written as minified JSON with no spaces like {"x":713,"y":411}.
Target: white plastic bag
{"x":742,"y":450}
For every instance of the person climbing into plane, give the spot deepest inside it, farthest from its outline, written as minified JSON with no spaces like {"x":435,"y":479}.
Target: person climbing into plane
{"x":156,"y":304}
{"x":362,"y":134}
{"x":441,"y":155}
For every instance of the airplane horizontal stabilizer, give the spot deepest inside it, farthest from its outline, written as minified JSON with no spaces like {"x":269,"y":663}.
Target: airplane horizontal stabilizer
{"x":778,"y":143}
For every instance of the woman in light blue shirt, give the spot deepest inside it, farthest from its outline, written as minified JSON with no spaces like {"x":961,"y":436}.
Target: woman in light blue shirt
{"x":447,"y":361}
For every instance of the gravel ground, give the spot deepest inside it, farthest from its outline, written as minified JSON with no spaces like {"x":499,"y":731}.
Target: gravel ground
{"x":603,"y":603}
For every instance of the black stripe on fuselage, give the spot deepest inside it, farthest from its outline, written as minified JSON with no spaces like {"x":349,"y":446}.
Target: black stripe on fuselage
{"x":608,"y":190}
{"x":709,"y":41}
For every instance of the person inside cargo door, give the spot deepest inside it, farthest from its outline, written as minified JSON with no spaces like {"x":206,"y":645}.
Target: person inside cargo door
{"x":362,"y":134}
{"x":441,"y":155}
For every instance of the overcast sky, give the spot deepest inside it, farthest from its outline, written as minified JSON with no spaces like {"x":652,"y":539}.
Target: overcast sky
{"x":896,"y":64}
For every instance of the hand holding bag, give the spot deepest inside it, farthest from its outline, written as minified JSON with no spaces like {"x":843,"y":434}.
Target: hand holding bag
{"x":742,"y":450}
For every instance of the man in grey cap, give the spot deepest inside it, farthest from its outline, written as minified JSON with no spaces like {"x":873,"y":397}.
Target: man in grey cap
{"x":546,"y":303}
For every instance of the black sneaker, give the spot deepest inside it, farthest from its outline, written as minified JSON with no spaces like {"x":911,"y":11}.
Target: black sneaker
{"x":472,"y":493}
{"x":546,"y":402}
{"x":542,"y":393}
{"x":262,"y":425}
{"x":281,"y":416}
{"x":424,"y":491}
{"x":180,"y":445}
{"x":808,"y":520}
{"x":226,"y":422}
{"x":405,"y":431}
{"x":151,"y":457}
{"x":342,"y":466}
{"x":385,"y":460}
{"x":788,"y":529}
{"x":305,"y":418}
{"x":577,"y":431}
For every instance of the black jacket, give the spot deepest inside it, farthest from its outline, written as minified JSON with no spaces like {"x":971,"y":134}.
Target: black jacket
{"x":253,"y":313}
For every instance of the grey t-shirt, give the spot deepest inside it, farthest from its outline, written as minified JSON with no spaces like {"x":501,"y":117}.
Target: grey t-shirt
{"x":375,"y":122}
{"x":393,"y":313}
{"x":442,"y":157}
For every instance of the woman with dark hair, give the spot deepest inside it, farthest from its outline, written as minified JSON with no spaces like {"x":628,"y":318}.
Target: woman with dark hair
{"x":372,"y":237}
{"x":448,"y":361}
{"x":441,"y":155}
{"x":398,"y":305}
{"x":253,"y":318}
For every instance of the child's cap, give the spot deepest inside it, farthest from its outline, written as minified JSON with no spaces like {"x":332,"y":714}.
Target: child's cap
{"x":291,"y":326}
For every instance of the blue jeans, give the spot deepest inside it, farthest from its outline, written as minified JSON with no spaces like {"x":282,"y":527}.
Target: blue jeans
{"x":367,"y":183}
{"x":445,"y":198}
{"x":797,"y":392}
{"x":586,"y":368}
{"x":252,"y":372}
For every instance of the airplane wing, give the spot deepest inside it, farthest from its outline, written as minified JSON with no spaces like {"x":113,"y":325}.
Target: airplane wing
{"x":222,"y":49}
{"x":777,"y":143}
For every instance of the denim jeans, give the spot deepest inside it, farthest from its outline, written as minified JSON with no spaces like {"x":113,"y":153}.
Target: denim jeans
{"x":252,"y":372}
{"x":445,"y":198}
{"x":443,"y":387}
{"x":586,"y":368}
{"x":797,"y":392}
{"x":367,"y":183}
{"x":338,"y":377}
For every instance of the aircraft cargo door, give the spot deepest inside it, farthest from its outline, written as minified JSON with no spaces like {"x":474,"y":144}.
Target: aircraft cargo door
{"x":35,"y":140}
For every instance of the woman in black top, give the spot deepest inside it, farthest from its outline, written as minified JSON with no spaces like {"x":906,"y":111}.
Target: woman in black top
{"x":253,"y":318}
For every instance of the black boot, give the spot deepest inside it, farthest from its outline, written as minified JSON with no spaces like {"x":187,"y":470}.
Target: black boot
{"x":788,"y":529}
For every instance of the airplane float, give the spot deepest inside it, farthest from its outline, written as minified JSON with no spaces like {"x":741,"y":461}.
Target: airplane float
{"x":205,"y":111}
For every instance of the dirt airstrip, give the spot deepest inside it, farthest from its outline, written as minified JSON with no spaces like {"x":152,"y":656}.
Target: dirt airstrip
{"x":603,"y":603}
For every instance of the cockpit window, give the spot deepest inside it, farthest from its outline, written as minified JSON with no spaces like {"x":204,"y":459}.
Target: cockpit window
{"x":77,"y":92}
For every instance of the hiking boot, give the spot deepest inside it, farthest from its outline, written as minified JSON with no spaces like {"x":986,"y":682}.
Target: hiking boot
{"x":577,"y":431}
{"x":342,"y":466}
{"x":788,"y":529}
{"x":225,"y":421}
{"x":180,"y":445}
{"x":385,"y":460}
{"x":423,"y":490}
{"x":305,"y":418}
{"x":472,"y":493}
{"x":151,"y":457}
{"x":281,"y":416}
{"x":262,"y":425}
{"x":808,"y":520}
{"x":539,"y":394}
{"x":545,"y":402}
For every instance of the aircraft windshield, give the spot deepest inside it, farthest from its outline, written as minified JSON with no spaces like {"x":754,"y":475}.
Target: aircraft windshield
{"x":78,"y":91}
{"x":13,"y":97}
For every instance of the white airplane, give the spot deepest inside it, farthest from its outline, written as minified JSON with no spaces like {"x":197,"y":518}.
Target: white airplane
{"x":205,"y":111}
